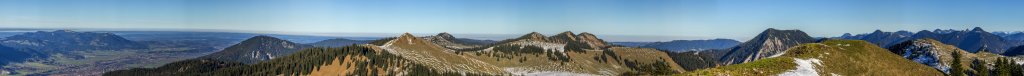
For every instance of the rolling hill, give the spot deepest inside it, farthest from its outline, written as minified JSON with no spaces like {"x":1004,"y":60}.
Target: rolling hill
{"x":9,"y":54}
{"x":1015,"y":51}
{"x":257,"y":48}
{"x":67,"y":40}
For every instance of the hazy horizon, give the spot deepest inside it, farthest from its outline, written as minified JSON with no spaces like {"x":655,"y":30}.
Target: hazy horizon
{"x":639,"y":20}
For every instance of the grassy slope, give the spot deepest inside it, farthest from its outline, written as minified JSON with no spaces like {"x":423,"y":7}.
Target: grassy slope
{"x":424,"y":52}
{"x":842,"y":57}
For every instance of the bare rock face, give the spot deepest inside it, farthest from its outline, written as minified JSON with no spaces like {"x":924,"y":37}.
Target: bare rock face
{"x":769,"y":43}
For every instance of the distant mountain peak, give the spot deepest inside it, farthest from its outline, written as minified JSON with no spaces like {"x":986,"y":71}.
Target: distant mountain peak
{"x":533,"y":35}
{"x":903,"y":31}
{"x":877,"y":31}
{"x":591,"y":39}
{"x":978,"y":29}
{"x":406,"y":35}
{"x":923,"y":31}
{"x":63,"y":31}
{"x":846,"y":35}
{"x":772,"y":31}
{"x":445,"y":35}
{"x":263,"y":37}
{"x":566,"y":33}
{"x":586,"y":33}
{"x":566,"y":36}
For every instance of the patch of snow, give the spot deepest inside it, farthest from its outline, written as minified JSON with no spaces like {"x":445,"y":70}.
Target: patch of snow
{"x":547,"y":46}
{"x":4,"y":72}
{"x":255,"y":55}
{"x":777,"y":55}
{"x":270,"y":56}
{"x":286,"y":45}
{"x":530,"y":72}
{"x":805,"y":67}
{"x":24,"y":42}
{"x":834,"y":74}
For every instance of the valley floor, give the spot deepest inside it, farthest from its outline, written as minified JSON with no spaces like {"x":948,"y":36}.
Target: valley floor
{"x":97,"y":62}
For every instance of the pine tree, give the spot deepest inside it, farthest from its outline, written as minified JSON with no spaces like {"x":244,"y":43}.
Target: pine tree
{"x":1003,"y":67}
{"x":957,"y":69}
{"x":980,"y":68}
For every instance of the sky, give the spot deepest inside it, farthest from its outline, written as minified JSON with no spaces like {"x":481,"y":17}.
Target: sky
{"x":667,"y":19}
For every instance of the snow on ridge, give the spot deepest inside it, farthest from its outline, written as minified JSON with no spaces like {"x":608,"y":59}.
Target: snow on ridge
{"x":531,"y":72}
{"x":805,"y":67}
{"x":547,"y":46}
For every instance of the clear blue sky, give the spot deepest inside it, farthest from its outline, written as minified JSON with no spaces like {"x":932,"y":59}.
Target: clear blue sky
{"x":686,"y":19}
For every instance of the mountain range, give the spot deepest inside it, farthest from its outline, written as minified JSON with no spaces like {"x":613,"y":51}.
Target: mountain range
{"x":532,"y":54}
{"x":969,"y":40}
{"x":879,"y":37}
{"x":692,"y":45}
{"x":772,"y":52}
{"x":1013,"y":36}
